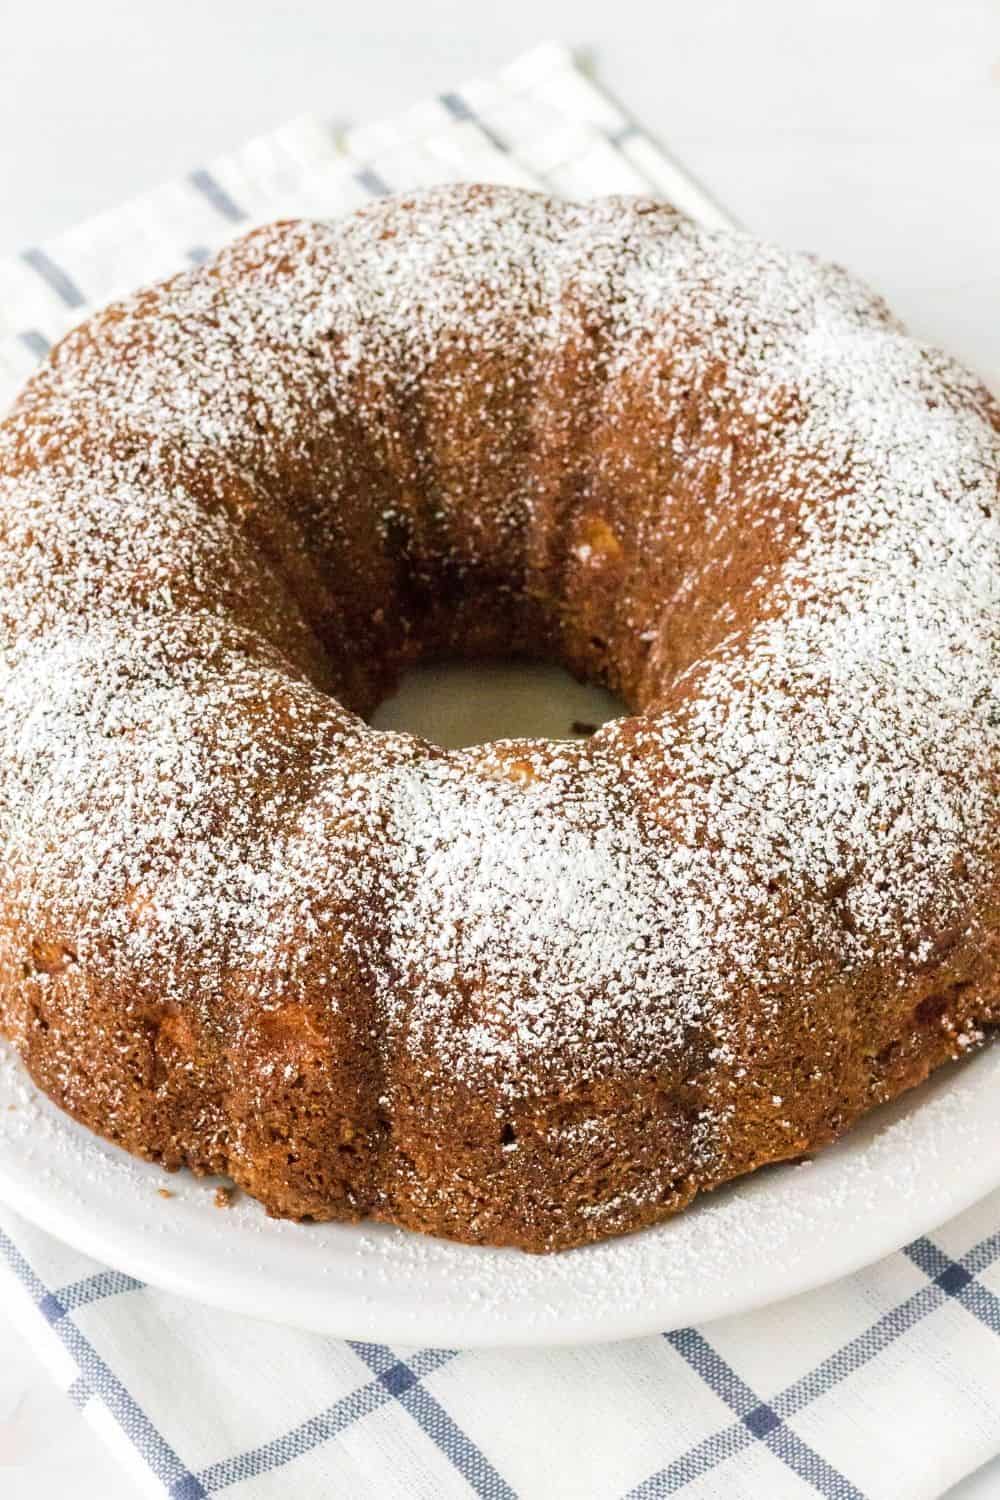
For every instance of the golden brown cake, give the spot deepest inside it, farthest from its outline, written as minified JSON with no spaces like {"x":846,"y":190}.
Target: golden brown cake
{"x":530,"y":993}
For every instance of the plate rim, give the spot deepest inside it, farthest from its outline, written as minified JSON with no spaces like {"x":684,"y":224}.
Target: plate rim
{"x":337,"y":1303}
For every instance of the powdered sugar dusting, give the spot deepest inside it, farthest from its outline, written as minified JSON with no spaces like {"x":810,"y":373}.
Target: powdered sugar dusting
{"x":201,"y":497}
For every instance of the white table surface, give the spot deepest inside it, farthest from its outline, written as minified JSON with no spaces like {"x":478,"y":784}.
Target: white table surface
{"x":868,"y":130}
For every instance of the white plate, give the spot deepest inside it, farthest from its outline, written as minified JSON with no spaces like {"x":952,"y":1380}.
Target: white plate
{"x":779,"y":1232}
{"x":782,"y":1231}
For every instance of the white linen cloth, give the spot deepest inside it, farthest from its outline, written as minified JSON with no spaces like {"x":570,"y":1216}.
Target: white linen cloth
{"x":885,"y":1385}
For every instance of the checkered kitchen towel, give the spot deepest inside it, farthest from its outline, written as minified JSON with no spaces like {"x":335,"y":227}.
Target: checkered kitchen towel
{"x":884,"y":1385}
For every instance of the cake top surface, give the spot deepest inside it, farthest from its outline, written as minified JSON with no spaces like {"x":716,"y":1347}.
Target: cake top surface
{"x":816,"y":792}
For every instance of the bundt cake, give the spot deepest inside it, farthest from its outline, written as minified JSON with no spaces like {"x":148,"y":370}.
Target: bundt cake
{"x":530,"y":993}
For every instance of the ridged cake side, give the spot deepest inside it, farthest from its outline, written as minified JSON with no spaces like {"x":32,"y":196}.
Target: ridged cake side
{"x":530,"y":993}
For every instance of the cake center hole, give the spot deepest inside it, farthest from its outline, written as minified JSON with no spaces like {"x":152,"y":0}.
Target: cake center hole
{"x":456,"y":704}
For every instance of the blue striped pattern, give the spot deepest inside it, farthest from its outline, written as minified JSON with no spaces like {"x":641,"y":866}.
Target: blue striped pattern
{"x":231,"y":213}
{"x":36,"y":343}
{"x":372,"y":183}
{"x":96,"y":1378}
{"x":56,"y":277}
{"x":460,"y":109}
{"x":767,"y":1421}
{"x":395,"y":1380}
{"x":211,"y":189}
{"x":60,"y":281}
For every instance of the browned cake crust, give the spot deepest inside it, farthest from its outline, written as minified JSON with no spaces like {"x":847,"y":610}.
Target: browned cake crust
{"x":530,"y":993}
